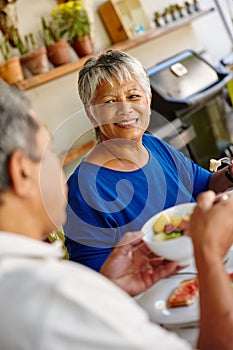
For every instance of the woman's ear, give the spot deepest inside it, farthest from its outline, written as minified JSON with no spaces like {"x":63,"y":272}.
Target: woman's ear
{"x":22,"y":174}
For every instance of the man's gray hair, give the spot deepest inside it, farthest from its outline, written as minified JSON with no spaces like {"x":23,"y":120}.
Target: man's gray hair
{"x":111,"y":64}
{"x":17,"y":130}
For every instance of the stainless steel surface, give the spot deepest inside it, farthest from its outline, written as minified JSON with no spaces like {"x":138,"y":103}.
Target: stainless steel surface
{"x":225,"y":160}
{"x":166,"y":128}
{"x":183,"y":78}
{"x":183,"y":139}
{"x":183,"y":82}
{"x":186,"y":87}
{"x":174,"y":133}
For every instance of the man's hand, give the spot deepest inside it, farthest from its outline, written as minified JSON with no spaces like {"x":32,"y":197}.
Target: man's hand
{"x":133,"y":267}
{"x":211,"y":224}
{"x":211,"y":229}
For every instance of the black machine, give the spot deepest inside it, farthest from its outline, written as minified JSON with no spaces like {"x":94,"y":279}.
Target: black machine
{"x":191,"y":96}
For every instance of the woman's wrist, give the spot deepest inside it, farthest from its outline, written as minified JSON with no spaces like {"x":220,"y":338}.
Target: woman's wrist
{"x":228,"y":174}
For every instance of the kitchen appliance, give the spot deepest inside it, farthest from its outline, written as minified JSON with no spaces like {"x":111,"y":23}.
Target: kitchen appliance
{"x":190,"y":93}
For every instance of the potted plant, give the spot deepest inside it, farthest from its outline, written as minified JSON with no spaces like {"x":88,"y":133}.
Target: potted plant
{"x":73,"y":21}
{"x":56,"y":45}
{"x":10,"y":69}
{"x":34,"y":58}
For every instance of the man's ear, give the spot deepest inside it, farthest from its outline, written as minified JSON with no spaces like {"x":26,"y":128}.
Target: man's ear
{"x":90,"y":116}
{"x":21,"y":172}
{"x":150,"y":98}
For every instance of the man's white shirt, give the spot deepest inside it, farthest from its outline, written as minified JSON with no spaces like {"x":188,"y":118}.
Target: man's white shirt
{"x":48,"y":303}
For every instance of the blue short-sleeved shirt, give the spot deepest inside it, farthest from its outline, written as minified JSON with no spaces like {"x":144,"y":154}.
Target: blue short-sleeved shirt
{"x":104,"y":204}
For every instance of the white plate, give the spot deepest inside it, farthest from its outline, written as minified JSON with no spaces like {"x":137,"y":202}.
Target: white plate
{"x":154,"y":302}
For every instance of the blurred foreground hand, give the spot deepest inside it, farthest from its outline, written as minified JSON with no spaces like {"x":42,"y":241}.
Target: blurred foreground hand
{"x":133,"y":267}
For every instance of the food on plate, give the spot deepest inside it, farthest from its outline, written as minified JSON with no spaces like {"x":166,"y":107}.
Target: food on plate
{"x":184,"y":294}
{"x":214,"y":164}
{"x":169,"y":227}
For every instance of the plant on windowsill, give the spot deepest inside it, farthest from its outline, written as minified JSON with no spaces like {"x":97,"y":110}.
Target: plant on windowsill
{"x":74,"y":22}
{"x":33,"y":58}
{"x":10,"y":68}
{"x":58,"y":235}
{"x":57,"y":47}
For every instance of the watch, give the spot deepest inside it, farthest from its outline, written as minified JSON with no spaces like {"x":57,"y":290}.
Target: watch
{"x":228,"y":174}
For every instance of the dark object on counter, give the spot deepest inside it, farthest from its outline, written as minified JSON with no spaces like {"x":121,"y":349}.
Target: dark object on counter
{"x":188,"y":88}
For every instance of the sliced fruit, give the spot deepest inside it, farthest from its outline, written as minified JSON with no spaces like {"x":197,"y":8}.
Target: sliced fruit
{"x":175,"y":220}
{"x":161,"y":236}
{"x":161,"y":222}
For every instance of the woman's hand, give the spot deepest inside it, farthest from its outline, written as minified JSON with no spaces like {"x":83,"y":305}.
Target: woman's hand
{"x":219,"y":181}
{"x":133,"y":267}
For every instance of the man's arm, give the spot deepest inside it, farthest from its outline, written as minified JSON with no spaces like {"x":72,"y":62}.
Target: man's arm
{"x":211,"y":229}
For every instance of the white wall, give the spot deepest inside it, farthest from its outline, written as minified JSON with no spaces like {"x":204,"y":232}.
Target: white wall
{"x":56,"y":103}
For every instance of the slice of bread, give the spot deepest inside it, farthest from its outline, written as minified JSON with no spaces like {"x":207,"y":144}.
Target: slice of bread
{"x":185,"y":294}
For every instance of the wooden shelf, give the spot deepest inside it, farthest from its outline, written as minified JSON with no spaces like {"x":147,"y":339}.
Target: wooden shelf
{"x":58,"y":72}
{"x":158,"y":32}
{"x":76,"y":152}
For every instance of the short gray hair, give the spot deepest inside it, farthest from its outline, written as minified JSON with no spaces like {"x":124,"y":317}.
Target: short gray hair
{"x":111,"y":64}
{"x":17,"y":130}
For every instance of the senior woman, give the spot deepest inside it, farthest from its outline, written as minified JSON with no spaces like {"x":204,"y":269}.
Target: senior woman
{"x":129,"y":175}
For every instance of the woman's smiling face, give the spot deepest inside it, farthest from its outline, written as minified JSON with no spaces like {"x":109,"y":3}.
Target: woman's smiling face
{"x":121,"y":111}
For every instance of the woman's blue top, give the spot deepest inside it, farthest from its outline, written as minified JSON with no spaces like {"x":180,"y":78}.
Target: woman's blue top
{"x":104,"y":204}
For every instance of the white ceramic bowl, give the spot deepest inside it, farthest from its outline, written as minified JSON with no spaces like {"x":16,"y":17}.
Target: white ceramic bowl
{"x":179,"y":249}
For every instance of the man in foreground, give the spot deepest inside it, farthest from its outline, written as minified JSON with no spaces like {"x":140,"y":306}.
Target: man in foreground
{"x":49,"y":303}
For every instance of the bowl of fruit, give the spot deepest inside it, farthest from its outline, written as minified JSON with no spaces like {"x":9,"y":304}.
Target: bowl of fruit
{"x":166,"y":234}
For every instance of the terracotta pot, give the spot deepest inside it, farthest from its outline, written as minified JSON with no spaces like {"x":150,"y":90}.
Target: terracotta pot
{"x":11,"y":71}
{"x":58,"y":53}
{"x":36,"y":61}
{"x":84,"y":47}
